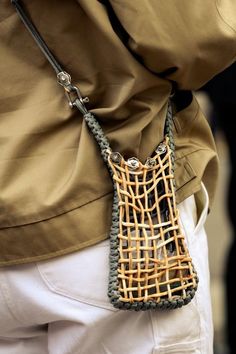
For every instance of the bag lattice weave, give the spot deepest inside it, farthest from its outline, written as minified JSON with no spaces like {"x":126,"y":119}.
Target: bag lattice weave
{"x":154,"y":267}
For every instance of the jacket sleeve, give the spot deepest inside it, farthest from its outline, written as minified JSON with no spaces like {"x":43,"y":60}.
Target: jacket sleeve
{"x":185,"y":41}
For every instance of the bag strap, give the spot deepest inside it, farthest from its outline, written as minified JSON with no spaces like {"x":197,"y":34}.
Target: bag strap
{"x":35,"y":34}
{"x":63,"y":78}
{"x":74,"y":95}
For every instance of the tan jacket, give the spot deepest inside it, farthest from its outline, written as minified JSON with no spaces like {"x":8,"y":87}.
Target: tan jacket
{"x":55,"y":191}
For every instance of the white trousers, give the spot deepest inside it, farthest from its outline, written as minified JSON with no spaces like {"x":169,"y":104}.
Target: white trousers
{"x":60,"y":306}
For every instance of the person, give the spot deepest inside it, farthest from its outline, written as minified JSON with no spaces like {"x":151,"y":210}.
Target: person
{"x":221,"y":92}
{"x":56,"y":194}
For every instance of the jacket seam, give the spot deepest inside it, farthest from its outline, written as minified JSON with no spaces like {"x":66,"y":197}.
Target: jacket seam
{"x":190,"y":153}
{"x":56,"y":215}
{"x":51,"y":255}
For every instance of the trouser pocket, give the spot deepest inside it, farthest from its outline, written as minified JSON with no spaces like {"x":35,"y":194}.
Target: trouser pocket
{"x":198,"y":247}
{"x":189,"y":329}
{"x":82,"y":275}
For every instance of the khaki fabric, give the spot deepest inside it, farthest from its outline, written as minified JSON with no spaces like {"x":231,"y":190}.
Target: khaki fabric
{"x":55,"y":191}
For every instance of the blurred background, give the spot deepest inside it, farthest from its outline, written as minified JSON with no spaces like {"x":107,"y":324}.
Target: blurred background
{"x":218,"y":101}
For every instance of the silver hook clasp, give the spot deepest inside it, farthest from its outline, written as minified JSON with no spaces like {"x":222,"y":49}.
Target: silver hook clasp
{"x":72,"y":92}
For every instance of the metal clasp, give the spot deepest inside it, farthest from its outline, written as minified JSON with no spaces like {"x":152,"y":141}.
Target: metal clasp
{"x":72,"y":92}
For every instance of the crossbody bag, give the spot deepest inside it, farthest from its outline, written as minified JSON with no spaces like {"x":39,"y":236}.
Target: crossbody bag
{"x":150,"y":265}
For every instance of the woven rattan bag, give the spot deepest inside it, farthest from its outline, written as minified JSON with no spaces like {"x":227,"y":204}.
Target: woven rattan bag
{"x":150,"y":265}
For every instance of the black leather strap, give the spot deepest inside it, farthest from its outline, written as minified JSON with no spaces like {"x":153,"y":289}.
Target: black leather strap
{"x":36,"y":36}
{"x":72,"y":92}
